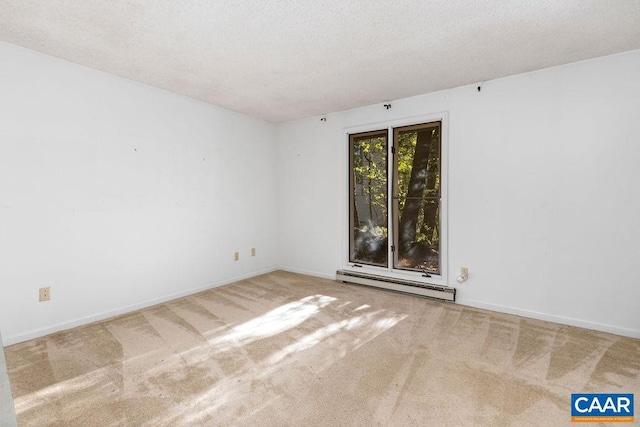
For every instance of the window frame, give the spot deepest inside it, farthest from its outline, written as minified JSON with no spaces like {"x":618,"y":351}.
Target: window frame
{"x":395,"y":219}
{"x":390,"y":125}
{"x":364,"y":135}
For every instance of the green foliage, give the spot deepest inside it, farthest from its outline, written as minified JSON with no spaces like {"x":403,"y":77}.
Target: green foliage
{"x":421,"y":246}
{"x":426,"y":228}
{"x":370,"y":173}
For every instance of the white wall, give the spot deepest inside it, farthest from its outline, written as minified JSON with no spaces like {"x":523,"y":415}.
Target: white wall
{"x":118,"y":195}
{"x":544,"y":193}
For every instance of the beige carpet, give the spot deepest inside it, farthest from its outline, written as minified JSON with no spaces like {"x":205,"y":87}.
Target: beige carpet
{"x":285,"y":349}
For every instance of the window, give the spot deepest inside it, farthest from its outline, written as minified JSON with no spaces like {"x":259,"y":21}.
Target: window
{"x":369,"y":201}
{"x":401,"y":233}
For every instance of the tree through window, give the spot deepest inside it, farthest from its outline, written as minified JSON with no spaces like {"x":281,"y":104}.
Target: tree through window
{"x":412,"y":234}
{"x":368,"y":194}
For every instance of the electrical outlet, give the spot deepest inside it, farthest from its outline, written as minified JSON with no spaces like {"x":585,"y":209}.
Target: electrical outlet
{"x":464,"y":274}
{"x":236,"y":256}
{"x":253,"y":251}
{"x":45,"y":294}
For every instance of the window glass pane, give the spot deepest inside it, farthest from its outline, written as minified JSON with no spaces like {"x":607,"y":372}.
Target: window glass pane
{"x":418,"y":198}
{"x":368,"y":204}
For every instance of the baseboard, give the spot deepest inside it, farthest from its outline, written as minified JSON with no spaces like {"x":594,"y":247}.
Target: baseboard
{"x":551,"y":318}
{"x":459,"y":300}
{"x":309,"y":273}
{"x":15,"y":339}
{"x":510,"y":310}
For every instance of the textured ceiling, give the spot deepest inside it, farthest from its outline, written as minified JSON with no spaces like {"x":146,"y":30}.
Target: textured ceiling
{"x":283,"y":60}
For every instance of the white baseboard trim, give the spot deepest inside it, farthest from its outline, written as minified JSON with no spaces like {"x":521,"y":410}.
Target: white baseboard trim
{"x":562,"y":320}
{"x":462,"y":301}
{"x":37,"y":333}
{"x":309,"y":273}
{"x":551,"y":318}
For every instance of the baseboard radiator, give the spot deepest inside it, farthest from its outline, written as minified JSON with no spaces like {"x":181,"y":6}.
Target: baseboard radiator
{"x":409,"y":286}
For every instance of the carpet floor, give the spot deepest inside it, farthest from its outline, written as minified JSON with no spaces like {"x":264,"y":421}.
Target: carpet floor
{"x":285,"y":349}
